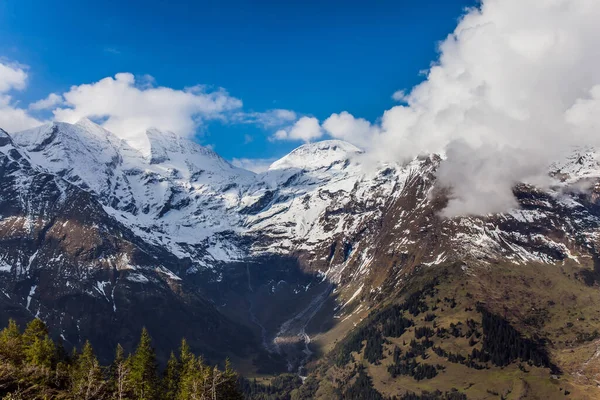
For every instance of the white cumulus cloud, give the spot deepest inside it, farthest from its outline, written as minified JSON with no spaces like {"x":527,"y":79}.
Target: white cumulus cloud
{"x":129,"y":110}
{"x":13,"y":118}
{"x":51,"y":101}
{"x":12,"y":76}
{"x":305,"y":129}
{"x":346,"y":127}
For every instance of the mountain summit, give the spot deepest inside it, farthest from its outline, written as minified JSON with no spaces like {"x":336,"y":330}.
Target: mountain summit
{"x":322,"y":154}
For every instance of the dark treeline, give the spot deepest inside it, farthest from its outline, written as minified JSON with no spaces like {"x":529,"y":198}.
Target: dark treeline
{"x":286,"y":387}
{"x":32,"y":366}
{"x":424,"y":331}
{"x":457,"y":358}
{"x":437,"y":395}
{"x":503,"y":344}
{"x":362,"y":388}
{"x":430,"y":317}
{"x":280,"y":387}
{"x":388,"y":322}
{"x":415,"y":303}
{"x":406,"y":364}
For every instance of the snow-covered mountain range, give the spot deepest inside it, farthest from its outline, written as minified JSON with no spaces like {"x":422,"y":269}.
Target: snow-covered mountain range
{"x":96,"y":231}
{"x":175,"y":193}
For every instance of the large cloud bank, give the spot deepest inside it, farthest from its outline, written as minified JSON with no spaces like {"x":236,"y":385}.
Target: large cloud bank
{"x":516,"y":83}
{"x":130,"y":108}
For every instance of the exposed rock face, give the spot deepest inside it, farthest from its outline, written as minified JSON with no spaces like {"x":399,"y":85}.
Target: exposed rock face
{"x":98,"y":238}
{"x":68,"y":262}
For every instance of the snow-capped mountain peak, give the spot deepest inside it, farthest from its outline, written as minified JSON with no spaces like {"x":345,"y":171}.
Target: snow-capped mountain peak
{"x":82,"y":153}
{"x":168,"y":148}
{"x":317,"y":155}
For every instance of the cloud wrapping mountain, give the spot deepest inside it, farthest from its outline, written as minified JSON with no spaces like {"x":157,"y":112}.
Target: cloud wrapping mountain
{"x":515,"y":83}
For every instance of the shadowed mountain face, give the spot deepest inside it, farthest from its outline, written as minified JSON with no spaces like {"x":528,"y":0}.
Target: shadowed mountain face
{"x":99,"y":239}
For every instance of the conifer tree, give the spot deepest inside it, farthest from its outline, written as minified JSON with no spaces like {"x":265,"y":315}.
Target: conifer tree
{"x":86,"y":377}
{"x":120,"y":374}
{"x":171,"y":378}
{"x":193,"y":381}
{"x":11,"y":343}
{"x":144,"y":379}
{"x":184,"y":353}
{"x":112,"y":369}
{"x":47,"y":375}
{"x":60,"y":351}
{"x":35,"y":328}
{"x":229,"y":388}
{"x":38,"y":348}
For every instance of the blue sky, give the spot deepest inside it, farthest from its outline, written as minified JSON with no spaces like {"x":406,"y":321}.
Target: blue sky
{"x":312,"y":57}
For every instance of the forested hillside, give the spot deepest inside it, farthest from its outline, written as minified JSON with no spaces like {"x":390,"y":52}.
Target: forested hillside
{"x":33,"y":366}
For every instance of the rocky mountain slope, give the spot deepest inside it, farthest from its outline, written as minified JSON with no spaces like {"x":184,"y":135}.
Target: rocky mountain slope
{"x":67,"y":261}
{"x":99,"y":237}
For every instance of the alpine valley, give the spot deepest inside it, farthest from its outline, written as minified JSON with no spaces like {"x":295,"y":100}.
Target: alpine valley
{"x":327,"y":266}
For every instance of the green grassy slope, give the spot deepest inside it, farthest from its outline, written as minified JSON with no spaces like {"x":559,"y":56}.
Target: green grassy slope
{"x":485,"y":332}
